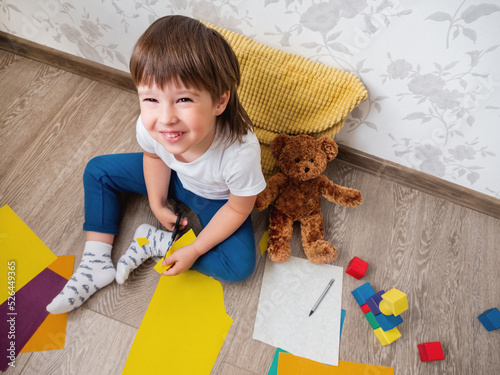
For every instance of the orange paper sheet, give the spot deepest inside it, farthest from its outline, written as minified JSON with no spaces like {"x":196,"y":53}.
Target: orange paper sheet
{"x":290,"y":364}
{"x":63,"y":266}
{"x":51,"y":335}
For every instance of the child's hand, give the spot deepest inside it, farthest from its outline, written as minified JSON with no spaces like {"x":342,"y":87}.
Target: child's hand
{"x":181,"y":260}
{"x":167,"y":218}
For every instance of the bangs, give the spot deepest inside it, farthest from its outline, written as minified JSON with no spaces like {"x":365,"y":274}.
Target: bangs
{"x":181,"y":52}
{"x":149,"y":70}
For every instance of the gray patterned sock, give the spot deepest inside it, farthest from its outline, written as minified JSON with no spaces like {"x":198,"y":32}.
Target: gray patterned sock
{"x":95,"y":271}
{"x":136,"y":255}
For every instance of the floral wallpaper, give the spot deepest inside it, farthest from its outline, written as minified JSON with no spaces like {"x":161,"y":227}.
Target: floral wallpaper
{"x":430,"y":67}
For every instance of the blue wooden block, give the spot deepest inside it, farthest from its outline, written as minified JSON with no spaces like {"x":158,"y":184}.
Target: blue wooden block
{"x":362,"y":293}
{"x":373,"y":302}
{"x":490,"y":319}
{"x":388,"y":322}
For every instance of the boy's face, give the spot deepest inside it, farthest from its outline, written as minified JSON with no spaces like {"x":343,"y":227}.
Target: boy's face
{"x":181,"y":119}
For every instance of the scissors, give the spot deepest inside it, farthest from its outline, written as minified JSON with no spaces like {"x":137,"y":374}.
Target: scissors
{"x":174,"y":233}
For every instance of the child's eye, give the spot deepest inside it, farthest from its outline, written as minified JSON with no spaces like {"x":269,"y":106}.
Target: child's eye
{"x":184,"y":100}
{"x":151,"y":100}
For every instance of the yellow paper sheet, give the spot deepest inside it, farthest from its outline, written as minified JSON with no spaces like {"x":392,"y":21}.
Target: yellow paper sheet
{"x":263,"y":242}
{"x":186,"y":239}
{"x":51,"y":335}
{"x":290,"y":364}
{"x":18,"y":243}
{"x":183,"y":329}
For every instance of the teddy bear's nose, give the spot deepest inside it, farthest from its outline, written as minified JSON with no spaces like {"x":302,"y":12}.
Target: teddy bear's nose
{"x":306,"y":169}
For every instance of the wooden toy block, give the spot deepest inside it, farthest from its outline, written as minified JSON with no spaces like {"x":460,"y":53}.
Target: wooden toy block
{"x":362,"y":293}
{"x":374,"y":301}
{"x":371,"y":319}
{"x":357,"y":268}
{"x":388,"y":322}
{"x":430,"y":351}
{"x":490,"y":319}
{"x":365,"y":308}
{"x":387,"y":337}
{"x":394,"y":302}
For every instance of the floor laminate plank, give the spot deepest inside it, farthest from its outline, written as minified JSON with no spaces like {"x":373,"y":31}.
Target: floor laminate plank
{"x":23,"y":119}
{"x":228,"y":369}
{"x":11,"y":67}
{"x":95,"y":344}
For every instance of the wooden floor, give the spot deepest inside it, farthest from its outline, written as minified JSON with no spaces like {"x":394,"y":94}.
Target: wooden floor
{"x":445,"y":257}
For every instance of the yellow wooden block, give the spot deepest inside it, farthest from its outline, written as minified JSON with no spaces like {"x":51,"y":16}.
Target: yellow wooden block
{"x":387,"y":337}
{"x":394,"y":302}
{"x":142,"y":241}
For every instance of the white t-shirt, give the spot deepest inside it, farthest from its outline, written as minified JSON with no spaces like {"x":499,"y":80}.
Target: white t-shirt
{"x":219,"y":171}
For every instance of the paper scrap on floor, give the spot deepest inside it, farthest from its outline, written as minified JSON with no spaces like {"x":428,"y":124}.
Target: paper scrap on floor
{"x":289,"y":291}
{"x":263,"y":242}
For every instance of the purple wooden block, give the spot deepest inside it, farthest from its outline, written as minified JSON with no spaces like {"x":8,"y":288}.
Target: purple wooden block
{"x":374,"y":301}
{"x":28,"y":313}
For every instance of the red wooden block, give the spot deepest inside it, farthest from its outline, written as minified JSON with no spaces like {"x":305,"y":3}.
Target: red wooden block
{"x":357,"y":268}
{"x":430,"y":351}
{"x":365,"y":308}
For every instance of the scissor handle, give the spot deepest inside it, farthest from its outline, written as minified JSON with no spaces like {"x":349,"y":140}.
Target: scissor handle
{"x":177,"y":226}
{"x":174,"y":233}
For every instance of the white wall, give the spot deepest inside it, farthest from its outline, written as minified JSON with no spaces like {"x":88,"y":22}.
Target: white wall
{"x":431,"y":67}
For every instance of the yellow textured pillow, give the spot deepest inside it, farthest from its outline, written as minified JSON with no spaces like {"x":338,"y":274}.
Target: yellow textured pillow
{"x":286,"y":93}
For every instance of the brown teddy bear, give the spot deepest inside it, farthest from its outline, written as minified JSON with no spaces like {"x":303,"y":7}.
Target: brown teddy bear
{"x":296,"y":192}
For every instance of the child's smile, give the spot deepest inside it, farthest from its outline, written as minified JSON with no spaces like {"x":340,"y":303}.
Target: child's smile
{"x":181,"y":119}
{"x":171,"y":137}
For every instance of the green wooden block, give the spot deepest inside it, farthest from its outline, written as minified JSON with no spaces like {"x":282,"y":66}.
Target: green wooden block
{"x":371,"y":319}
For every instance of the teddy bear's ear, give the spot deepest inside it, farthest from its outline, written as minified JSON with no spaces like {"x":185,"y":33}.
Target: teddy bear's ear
{"x":278,"y":143}
{"x":329,"y":147}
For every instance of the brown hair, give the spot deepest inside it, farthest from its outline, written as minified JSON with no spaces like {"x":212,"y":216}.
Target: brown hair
{"x":180,"y":48}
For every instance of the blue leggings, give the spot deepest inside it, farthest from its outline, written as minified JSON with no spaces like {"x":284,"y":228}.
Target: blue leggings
{"x":107,"y":176}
